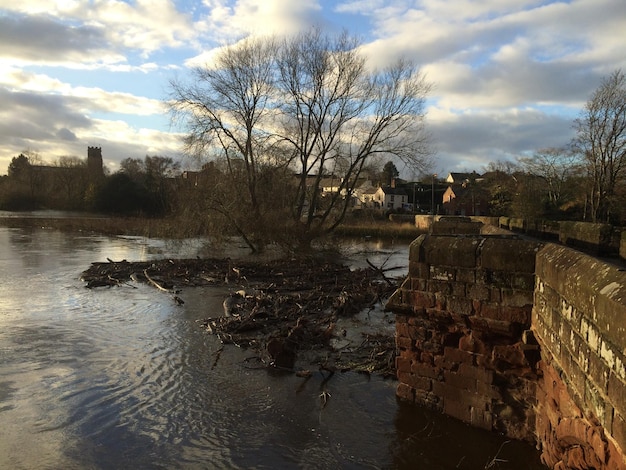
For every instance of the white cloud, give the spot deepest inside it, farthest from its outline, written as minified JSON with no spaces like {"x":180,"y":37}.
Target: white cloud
{"x":229,"y":21}
{"x":226,"y":25}
{"x":91,"y":97}
{"x":508,"y":75}
{"x":54,"y":118}
{"x":99,"y":32}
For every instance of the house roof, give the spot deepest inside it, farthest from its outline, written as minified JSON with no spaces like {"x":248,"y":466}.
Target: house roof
{"x":460,"y":177}
{"x":330,"y":181}
{"x":395,"y":191}
{"x":458,"y":190}
{"x":371,"y":190}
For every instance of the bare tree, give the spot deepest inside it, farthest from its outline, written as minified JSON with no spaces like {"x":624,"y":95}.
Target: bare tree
{"x":135,"y":168}
{"x":555,"y":166}
{"x":601,"y":141}
{"x":501,"y":184}
{"x":307,"y":106}
{"x":338,"y":116}
{"x":226,"y":106}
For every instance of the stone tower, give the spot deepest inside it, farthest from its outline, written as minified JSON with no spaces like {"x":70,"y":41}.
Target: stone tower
{"x":94,"y":163}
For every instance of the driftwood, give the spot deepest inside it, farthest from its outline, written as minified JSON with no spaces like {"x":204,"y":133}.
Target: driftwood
{"x":285,"y":311}
{"x":153,"y":282}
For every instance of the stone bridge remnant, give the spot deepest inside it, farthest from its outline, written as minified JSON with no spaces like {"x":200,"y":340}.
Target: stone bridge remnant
{"x":518,"y":336}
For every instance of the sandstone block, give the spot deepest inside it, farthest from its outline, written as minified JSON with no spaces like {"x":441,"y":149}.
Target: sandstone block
{"x":451,"y":251}
{"x":456,"y":356}
{"x":460,"y":381}
{"x":509,"y":254}
{"x":477,"y":373}
{"x":425,"y":370}
{"x":466,"y":275}
{"x":617,"y":393}
{"x":599,"y":372}
{"x":508,"y":356}
{"x":481,"y":418}
{"x":479,"y":292}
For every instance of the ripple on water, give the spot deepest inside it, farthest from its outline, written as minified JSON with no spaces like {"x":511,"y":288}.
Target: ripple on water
{"x":124,"y":378}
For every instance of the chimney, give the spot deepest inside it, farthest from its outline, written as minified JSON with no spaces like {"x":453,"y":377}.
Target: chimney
{"x":393,"y":182}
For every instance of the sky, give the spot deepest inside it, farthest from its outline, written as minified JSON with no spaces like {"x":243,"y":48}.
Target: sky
{"x":509,"y":77}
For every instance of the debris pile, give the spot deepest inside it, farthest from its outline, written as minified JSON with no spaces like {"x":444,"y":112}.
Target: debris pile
{"x":285,"y":311}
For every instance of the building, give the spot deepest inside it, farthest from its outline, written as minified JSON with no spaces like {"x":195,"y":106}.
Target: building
{"x":465,"y":199}
{"x":95,"y":167}
{"x":391,"y":198}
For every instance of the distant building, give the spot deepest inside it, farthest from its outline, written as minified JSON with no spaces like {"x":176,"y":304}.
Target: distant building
{"x":465,"y":199}
{"x":391,"y":197}
{"x":95,"y":167}
{"x":460,"y":178}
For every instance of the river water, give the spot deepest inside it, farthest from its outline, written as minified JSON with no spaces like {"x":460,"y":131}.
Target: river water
{"x":117,"y":378}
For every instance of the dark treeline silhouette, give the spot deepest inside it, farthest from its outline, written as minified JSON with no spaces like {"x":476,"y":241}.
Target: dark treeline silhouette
{"x":139,"y":188}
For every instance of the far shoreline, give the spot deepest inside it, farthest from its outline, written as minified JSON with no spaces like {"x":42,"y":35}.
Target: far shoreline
{"x":170,"y":228}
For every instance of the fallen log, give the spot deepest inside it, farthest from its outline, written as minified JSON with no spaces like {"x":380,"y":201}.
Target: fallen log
{"x":154,"y":283}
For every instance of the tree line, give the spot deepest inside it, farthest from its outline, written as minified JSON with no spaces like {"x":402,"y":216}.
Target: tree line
{"x":139,"y":187}
{"x":582,"y":180}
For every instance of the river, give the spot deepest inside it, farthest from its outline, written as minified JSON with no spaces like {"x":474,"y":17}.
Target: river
{"x":116,"y":378}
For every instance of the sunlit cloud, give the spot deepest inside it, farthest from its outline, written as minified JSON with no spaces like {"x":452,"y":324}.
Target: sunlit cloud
{"x":508,"y":75}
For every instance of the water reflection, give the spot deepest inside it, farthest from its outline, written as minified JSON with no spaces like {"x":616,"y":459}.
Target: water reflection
{"x":124,"y":378}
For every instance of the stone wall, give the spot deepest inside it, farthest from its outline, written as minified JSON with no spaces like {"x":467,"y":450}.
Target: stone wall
{"x":580,"y":319}
{"x":596,"y":239}
{"x":425,"y":222}
{"x":592,"y":238}
{"x":462,"y":330}
{"x":517,"y":336}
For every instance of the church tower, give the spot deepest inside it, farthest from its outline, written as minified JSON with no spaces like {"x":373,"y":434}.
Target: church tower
{"x":94,"y":163}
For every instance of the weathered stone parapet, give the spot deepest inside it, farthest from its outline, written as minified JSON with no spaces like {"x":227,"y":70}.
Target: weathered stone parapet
{"x":456,"y":225}
{"x":424,"y":222}
{"x":463,"y":316}
{"x":521,"y":337}
{"x":592,"y":238}
{"x":569,"y":437}
{"x":580,"y":319}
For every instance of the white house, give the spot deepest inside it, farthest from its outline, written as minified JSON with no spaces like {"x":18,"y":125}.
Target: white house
{"x":390,"y":197}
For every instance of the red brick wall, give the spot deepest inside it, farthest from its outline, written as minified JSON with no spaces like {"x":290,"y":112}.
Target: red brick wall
{"x":462,"y":321}
{"x":568,"y":437}
{"x":519,"y":337}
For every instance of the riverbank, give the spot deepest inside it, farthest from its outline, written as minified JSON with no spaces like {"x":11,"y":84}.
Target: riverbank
{"x":171,"y":228}
{"x":129,"y":226}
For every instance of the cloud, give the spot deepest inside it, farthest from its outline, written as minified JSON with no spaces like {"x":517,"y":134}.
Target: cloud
{"x":95,"y":32}
{"x":229,"y":21}
{"x":90,"y":98}
{"x":61,"y":123}
{"x":508,"y":76}
{"x":66,"y":134}
{"x":467,"y":141}
{"x":225,"y":25}
{"x":41,"y":39}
